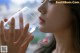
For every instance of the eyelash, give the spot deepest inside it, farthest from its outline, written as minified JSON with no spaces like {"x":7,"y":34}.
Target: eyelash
{"x":52,"y":2}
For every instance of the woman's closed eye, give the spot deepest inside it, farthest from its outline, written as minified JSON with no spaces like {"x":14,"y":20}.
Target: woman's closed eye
{"x":49,"y":1}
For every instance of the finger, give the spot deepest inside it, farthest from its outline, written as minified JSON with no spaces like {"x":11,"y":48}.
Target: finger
{"x":2,"y":33}
{"x":21,"y":21}
{"x":5,"y":19}
{"x":11,"y":31}
{"x":26,"y":43}
{"x":23,"y":35}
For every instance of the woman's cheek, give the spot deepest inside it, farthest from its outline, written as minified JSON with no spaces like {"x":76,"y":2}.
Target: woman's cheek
{"x":56,"y":19}
{"x":50,"y":24}
{"x":54,"y":23}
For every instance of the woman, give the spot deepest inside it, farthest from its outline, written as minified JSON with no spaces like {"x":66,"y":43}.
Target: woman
{"x":62,"y":20}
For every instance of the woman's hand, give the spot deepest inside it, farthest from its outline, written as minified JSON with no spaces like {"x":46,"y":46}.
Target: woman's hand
{"x":19,"y":44}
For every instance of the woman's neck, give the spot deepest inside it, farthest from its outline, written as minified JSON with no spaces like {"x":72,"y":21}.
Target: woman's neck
{"x":64,"y":43}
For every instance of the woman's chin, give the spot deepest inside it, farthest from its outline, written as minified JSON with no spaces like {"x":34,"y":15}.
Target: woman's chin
{"x":43,"y":29}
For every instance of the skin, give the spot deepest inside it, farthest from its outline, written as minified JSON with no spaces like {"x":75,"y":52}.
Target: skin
{"x":15,"y":44}
{"x":58,"y":20}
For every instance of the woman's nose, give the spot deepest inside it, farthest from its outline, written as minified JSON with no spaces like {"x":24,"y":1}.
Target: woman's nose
{"x":42,"y":10}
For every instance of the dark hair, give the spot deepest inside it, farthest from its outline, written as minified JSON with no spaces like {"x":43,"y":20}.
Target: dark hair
{"x":75,"y":10}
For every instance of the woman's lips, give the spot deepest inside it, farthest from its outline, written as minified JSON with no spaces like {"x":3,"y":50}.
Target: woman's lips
{"x":42,"y":21}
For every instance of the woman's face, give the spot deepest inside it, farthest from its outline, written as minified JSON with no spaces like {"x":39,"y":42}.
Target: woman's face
{"x":54,"y":17}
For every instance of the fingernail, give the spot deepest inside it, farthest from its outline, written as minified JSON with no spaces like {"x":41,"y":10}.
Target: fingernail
{"x":12,"y":18}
